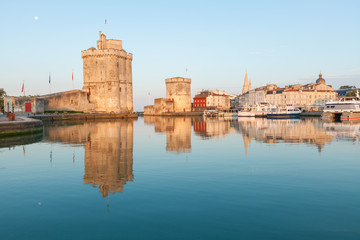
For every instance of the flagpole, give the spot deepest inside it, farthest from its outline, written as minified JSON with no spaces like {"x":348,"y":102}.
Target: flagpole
{"x":23,"y":88}
{"x":72,"y":78}
{"x":105,"y":27}
{"x":49,"y":83}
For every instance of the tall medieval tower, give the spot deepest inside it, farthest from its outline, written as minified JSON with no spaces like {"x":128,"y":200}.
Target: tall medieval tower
{"x":108,"y":76}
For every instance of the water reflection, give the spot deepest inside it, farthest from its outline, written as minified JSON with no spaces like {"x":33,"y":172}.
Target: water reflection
{"x":308,"y":131}
{"x":108,"y":145}
{"x":108,"y":151}
{"x":13,"y":141}
{"x":347,"y":130}
{"x":178,"y":132}
{"x":209,"y":128}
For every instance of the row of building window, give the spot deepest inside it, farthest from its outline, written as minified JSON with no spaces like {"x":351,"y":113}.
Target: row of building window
{"x":199,"y":105}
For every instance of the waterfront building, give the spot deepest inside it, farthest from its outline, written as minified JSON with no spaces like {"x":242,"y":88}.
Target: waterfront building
{"x":107,"y":74}
{"x":253,"y":97}
{"x":313,"y":95}
{"x":199,"y":102}
{"x":207,"y":99}
{"x":107,"y":85}
{"x":178,"y":98}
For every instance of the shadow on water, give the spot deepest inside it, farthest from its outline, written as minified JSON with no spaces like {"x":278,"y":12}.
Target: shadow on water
{"x":25,"y":139}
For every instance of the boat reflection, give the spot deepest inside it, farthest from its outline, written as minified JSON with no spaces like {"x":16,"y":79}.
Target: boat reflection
{"x":346,"y":130}
{"x":108,"y":145}
{"x":108,"y":151}
{"x":312,"y":131}
{"x":308,"y":131}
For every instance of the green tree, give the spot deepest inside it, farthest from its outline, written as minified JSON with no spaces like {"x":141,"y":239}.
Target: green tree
{"x":351,"y":93}
{"x":347,"y":87}
{"x":2,"y":95}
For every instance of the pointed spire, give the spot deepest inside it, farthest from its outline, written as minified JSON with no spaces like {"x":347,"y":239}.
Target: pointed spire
{"x":246,"y":84}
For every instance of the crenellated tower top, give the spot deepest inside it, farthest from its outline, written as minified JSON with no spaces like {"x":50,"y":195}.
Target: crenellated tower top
{"x":104,"y":43}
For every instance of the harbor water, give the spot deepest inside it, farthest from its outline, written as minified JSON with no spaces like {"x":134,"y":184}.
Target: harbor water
{"x":183,"y":178}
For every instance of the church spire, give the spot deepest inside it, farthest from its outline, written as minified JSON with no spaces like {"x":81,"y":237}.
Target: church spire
{"x":246,"y":84}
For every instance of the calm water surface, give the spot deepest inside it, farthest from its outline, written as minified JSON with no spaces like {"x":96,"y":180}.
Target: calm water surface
{"x":183,"y":178}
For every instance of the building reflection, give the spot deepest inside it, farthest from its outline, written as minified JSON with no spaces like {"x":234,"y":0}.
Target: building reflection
{"x":108,"y":151}
{"x":212,"y":128}
{"x":309,"y":131}
{"x":177,"y":129}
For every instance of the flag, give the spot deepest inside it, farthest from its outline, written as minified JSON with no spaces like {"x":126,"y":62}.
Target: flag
{"x":72,"y":76}
{"x":49,"y":78}
{"x":105,"y":21}
{"x":22,"y":89}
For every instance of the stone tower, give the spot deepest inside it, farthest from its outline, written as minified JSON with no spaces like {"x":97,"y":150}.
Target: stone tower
{"x":178,"y":89}
{"x":246,"y":84}
{"x":108,"y":76}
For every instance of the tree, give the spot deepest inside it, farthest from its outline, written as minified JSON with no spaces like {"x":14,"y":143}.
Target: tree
{"x":351,"y":93}
{"x":347,"y":87}
{"x":2,"y":95}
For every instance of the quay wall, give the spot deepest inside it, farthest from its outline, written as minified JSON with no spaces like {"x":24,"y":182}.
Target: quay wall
{"x":21,"y":125}
{"x":80,"y":116}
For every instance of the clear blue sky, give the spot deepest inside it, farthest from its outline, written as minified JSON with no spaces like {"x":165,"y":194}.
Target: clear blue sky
{"x":281,"y":42}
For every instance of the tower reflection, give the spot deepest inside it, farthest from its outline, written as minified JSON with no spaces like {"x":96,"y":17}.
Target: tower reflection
{"x":178,"y":132}
{"x":108,"y":151}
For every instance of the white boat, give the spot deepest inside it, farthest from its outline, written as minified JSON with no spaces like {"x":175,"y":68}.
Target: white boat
{"x":255,"y":111}
{"x":231,"y":113}
{"x":246,"y":112}
{"x":284,"y":112}
{"x":347,"y":108}
{"x":262,"y":109}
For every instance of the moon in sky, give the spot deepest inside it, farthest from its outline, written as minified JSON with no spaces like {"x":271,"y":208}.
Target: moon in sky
{"x":36,"y":18}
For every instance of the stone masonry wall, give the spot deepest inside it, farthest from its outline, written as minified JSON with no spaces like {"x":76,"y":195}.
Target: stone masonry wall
{"x":108,"y":76}
{"x":75,"y":100}
{"x":179,"y":90}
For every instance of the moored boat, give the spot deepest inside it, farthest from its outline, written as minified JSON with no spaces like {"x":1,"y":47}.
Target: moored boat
{"x":231,"y":113}
{"x":255,"y":111}
{"x":284,"y":112}
{"x":347,"y":108}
